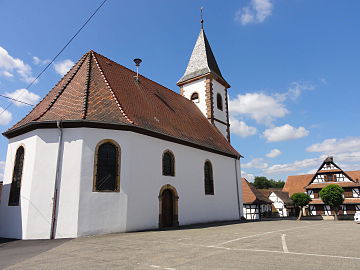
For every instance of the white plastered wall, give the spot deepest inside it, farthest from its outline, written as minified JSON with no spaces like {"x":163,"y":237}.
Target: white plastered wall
{"x":84,"y":212}
{"x":136,"y":206}
{"x":199,"y":87}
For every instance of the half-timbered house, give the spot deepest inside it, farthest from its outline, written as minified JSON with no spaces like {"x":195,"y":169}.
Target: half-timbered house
{"x":256,"y":204}
{"x":328,"y":173}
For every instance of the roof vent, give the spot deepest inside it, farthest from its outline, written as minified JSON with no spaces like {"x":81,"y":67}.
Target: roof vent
{"x":137,"y":62}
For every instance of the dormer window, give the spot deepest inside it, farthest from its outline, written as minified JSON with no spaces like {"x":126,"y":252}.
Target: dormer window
{"x":195,"y":97}
{"x":219,"y":102}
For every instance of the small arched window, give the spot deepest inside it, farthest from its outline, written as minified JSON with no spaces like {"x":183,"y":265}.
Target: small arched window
{"x":168,"y":164}
{"x":14,"y":197}
{"x":219,"y":102}
{"x":195,"y":97}
{"x":209,"y":181}
{"x":107,"y":167}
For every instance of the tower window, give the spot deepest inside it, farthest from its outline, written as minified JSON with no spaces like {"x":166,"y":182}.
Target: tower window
{"x":195,"y":97}
{"x":168,"y":164}
{"x":209,"y":181}
{"x":219,"y":102}
{"x":14,"y":196}
{"x":107,"y":167}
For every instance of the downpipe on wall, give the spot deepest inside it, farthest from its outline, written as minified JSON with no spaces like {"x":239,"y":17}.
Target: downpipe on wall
{"x":237,"y":187}
{"x":57,"y":182}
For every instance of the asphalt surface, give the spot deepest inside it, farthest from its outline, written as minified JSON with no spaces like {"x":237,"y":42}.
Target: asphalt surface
{"x":281,"y":244}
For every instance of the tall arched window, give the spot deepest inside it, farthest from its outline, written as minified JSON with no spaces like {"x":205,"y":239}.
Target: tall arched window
{"x":195,"y":97}
{"x":14,"y":197}
{"x":219,"y":102}
{"x":107,"y":177}
{"x":168,"y":164}
{"x":209,"y":181}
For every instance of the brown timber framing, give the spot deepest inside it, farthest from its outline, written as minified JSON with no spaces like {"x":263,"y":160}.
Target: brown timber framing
{"x":209,"y":100}
{"x":104,"y":125}
{"x":227,"y":114}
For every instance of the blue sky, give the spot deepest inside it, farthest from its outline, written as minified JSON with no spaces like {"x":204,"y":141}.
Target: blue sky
{"x":293,"y":66}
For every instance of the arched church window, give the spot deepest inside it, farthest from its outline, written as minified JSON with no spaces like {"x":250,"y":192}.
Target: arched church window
{"x":14,"y":196}
{"x":168,"y":164}
{"x":195,"y":97}
{"x":209,"y":181}
{"x":107,"y":176}
{"x":219,"y":102}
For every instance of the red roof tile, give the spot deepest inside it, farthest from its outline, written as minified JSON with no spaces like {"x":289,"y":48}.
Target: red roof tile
{"x":251,"y":195}
{"x":341,"y":184}
{"x":346,"y":201}
{"x":99,"y":91}
{"x":297,"y":183}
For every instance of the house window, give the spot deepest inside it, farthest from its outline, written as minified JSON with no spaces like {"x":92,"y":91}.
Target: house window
{"x":195,"y":97}
{"x":168,"y":164}
{"x":14,"y":196}
{"x":219,"y":102}
{"x":107,"y":167}
{"x":209,"y":181}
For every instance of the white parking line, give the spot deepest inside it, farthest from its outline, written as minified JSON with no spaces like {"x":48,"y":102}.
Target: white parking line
{"x":284,"y":243}
{"x":289,"y":252}
{"x":260,"y":234}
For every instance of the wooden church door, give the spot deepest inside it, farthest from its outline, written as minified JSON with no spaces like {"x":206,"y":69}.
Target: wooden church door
{"x":167,"y":208}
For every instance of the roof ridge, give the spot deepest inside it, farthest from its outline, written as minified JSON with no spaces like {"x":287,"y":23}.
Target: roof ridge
{"x":33,"y":109}
{"x":87,"y":87}
{"x":111,"y":91}
{"x":81,"y":61}
{"x":163,"y":86}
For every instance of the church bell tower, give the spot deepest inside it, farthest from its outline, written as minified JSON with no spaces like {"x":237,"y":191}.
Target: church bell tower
{"x":204,"y":84}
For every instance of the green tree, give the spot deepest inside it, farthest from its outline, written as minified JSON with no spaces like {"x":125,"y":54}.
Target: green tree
{"x":300,"y":200}
{"x":333,"y":195}
{"x":261,"y":182}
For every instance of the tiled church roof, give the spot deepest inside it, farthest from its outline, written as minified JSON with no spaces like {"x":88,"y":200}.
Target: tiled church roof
{"x":98,"y":92}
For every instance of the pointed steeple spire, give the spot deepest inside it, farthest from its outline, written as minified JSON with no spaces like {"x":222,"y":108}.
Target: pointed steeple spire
{"x":202,"y":60}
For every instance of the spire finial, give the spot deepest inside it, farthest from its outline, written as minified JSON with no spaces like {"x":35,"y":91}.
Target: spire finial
{"x":201,"y":16}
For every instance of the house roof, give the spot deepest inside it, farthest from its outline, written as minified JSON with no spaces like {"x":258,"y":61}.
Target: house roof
{"x":283,"y":195}
{"x":341,"y":184}
{"x":297,"y":183}
{"x":98,"y":92}
{"x":346,"y":201}
{"x":202,"y":61}
{"x":251,"y":195}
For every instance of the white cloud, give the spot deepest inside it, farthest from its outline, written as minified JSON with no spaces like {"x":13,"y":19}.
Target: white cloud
{"x":294,"y":91}
{"x":9,"y":64}
{"x":241,"y":128}
{"x":256,"y":163}
{"x":284,"y":133}
{"x":23,"y":95}
{"x":63,"y":67}
{"x":273,"y":153}
{"x":6,"y":74}
{"x":37,"y":61}
{"x":332,"y":146}
{"x":5,"y":116}
{"x":260,"y":107}
{"x":247,"y":176}
{"x":294,"y":166}
{"x":2,"y":167}
{"x":255,"y":12}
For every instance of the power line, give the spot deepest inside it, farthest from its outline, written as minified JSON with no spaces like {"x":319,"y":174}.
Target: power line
{"x":17,"y":100}
{"x":56,"y":56}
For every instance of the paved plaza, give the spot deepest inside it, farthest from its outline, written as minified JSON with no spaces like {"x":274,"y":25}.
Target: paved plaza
{"x":279,"y":244}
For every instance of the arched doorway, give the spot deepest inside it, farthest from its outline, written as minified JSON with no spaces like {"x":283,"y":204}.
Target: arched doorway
{"x":168,"y":207}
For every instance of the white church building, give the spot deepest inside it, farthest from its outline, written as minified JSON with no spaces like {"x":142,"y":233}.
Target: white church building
{"x":106,"y":151}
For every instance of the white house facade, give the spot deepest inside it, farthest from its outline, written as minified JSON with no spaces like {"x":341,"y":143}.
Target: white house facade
{"x":105,"y":152}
